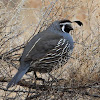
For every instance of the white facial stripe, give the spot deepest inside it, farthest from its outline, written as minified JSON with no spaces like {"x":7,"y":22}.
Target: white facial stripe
{"x":65,"y":23}
{"x":63,"y":27}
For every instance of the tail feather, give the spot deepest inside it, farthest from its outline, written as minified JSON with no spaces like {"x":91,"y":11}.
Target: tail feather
{"x":17,"y":77}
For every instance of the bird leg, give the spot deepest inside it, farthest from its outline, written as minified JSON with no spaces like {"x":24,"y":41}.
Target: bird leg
{"x":37,"y":78}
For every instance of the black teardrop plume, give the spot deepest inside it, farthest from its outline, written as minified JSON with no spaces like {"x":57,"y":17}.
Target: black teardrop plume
{"x":79,"y":23}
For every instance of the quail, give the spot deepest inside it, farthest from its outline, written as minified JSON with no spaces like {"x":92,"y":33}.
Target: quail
{"x":48,"y":49}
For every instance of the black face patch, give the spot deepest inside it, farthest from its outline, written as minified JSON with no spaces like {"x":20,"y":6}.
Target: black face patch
{"x":61,"y":26}
{"x":66,"y":28}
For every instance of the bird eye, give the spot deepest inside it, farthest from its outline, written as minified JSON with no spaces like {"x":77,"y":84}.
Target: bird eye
{"x":61,"y":26}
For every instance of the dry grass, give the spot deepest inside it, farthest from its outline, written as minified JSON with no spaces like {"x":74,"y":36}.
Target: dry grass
{"x":21,"y":19}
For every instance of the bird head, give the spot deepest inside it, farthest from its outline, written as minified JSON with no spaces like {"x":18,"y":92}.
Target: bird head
{"x":66,"y":26}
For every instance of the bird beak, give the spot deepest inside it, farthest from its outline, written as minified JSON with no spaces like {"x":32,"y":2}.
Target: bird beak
{"x":79,"y":23}
{"x":71,"y":28}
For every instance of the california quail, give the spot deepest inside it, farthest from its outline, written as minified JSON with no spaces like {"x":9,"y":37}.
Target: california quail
{"x":48,"y":49}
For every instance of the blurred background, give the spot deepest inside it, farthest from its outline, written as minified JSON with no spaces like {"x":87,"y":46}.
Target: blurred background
{"x":79,"y":79}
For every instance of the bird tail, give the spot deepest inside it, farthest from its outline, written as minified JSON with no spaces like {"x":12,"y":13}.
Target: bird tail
{"x":18,"y":76}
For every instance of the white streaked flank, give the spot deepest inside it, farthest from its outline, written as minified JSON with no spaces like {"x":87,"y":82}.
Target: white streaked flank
{"x":63,"y":41}
{"x":66,"y":46}
{"x":51,"y":61}
{"x":50,"y":57}
{"x":58,"y":49}
{"x":59,"y":41}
